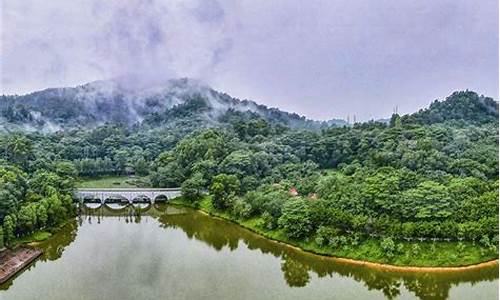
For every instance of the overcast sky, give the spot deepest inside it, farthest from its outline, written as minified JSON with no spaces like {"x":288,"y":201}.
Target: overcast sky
{"x":323,"y":59}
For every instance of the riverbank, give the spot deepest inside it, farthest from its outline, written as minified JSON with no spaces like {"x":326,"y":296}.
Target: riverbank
{"x":13,"y":261}
{"x":432,"y":256}
{"x":39,"y":235}
{"x":25,"y":250}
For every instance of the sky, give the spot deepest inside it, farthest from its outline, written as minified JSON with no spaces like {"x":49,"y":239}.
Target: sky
{"x":322,"y":59}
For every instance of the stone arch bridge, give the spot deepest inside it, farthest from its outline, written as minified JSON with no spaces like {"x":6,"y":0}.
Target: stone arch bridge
{"x":130,"y":195}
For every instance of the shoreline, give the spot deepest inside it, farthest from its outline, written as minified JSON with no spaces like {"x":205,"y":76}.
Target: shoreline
{"x":16,"y":260}
{"x":364,"y":263}
{"x":25,"y":251}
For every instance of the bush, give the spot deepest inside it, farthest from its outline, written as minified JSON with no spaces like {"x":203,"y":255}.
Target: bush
{"x":334,"y":242}
{"x":324,"y":234}
{"x":256,"y":200}
{"x":356,"y":240}
{"x":415,"y":250}
{"x":494,"y":240}
{"x":388,"y":246}
{"x":270,"y":222}
{"x":339,"y":241}
{"x":485,"y":241}
{"x":241,"y":209}
{"x":345,"y":241}
{"x":400,"y":248}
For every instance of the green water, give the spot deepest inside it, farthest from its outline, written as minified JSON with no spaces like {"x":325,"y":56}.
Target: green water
{"x":177,"y":253}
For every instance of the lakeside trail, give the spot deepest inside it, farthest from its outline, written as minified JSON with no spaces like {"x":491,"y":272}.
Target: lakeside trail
{"x":364,"y":263}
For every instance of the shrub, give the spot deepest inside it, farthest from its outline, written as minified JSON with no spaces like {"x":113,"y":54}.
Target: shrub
{"x":485,"y":241}
{"x":241,"y":209}
{"x":415,"y":249}
{"x":269,"y":221}
{"x":334,"y":242}
{"x":324,"y":234}
{"x":388,"y":246}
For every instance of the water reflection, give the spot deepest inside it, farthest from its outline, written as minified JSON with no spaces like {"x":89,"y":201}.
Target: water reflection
{"x":298,"y":269}
{"x":52,"y":249}
{"x":297,"y":265}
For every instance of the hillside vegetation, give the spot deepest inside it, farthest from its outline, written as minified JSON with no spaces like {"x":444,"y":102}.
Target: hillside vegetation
{"x":406,"y":187}
{"x":184,"y":103}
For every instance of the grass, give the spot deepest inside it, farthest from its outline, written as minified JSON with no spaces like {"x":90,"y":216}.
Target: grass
{"x":431,"y":254}
{"x":37,"y":236}
{"x":112,"y":181}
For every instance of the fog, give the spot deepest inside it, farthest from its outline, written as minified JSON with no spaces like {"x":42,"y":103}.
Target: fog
{"x":322,"y":59}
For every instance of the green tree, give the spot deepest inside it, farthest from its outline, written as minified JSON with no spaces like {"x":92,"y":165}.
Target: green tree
{"x":19,"y":150}
{"x":296,"y":219}
{"x":428,"y":201}
{"x":26,"y":219}
{"x":66,"y":169}
{"x":192,"y":188}
{"x":41,"y":214}
{"x":9,"y":227}
{"x":141,"y":167}
{"x":223,"y":188}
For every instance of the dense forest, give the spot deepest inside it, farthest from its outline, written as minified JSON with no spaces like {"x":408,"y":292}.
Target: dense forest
{"x":431,"y":175}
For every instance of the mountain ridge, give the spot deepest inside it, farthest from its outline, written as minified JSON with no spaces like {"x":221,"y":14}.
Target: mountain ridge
{"x":176,"y":102}
{"x":113,"y":101}
{"x":465,"y":106}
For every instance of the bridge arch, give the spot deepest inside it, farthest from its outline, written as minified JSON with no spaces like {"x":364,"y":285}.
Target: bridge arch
{"x":141,"y":198}
{"x":161,"y":198}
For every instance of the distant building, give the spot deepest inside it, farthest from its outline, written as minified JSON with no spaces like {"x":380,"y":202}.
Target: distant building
{"x":293,"y":191}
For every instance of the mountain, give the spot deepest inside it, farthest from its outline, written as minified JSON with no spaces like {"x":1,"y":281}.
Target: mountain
{"x":126,"y":102}
{"x":462,"y":106}
{"x":188,"y":104}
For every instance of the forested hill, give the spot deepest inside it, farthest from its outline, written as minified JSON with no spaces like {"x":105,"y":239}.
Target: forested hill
{"x":463,"y":106}
{"x":174,"y":103}
{"x":376,"y":191}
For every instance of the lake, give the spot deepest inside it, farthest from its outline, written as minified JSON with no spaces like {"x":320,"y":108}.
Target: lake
{"x":169,"y":252}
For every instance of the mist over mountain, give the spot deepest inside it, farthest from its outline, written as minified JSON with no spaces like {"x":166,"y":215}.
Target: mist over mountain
{"x":134,"y":101}
{"x":131,"y":101}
